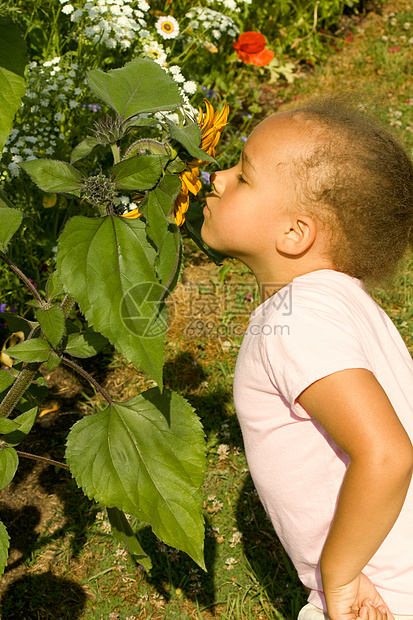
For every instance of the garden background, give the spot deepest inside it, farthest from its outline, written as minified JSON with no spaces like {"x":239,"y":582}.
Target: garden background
{"x":64,"y":562}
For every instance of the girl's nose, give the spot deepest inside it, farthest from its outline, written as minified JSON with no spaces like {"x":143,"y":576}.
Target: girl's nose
{"x":215,"y":180}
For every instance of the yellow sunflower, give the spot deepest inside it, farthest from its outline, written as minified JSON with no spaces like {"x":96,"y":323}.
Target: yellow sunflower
{"x":212,"y":124}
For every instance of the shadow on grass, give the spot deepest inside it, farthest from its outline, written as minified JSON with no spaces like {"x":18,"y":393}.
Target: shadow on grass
{"x":172,"y":569}
{"x":43,"y":597}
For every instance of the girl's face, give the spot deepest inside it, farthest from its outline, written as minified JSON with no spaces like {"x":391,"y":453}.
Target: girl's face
{"x":248,"y":206}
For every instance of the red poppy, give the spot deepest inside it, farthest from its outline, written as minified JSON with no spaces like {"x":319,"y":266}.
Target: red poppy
{"x":251,"y":49}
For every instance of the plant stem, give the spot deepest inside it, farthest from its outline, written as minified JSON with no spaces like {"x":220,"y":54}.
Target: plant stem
{"x":89,"y":377}
{"x":115,"y":153}
{"x":24,"y":278}
{"x":18,"y":388}
{"x":42,"y":459}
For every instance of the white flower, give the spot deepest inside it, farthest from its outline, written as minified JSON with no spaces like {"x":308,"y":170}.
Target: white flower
{"x":111,"y":43}
{"x":223,"y":451}
{"x":73,"y":104}
{"x":14,"y":169}
{"x":143,"y":5}
{"x":175,"y":69}
{"x":230,"y":563}
{"x":235,"y":539}
{"x":190,"y":87}
{"x":58,"y":117}
{"x":76,"y":15}
{"x":155,"y":51}
{"x":167,"y":27}
{"x":69,"y":8}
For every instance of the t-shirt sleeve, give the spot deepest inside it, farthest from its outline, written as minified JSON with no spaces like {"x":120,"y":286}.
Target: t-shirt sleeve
{"x":317,"y":342}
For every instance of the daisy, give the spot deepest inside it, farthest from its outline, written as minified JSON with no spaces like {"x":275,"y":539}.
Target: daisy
{"x":167,"y":27}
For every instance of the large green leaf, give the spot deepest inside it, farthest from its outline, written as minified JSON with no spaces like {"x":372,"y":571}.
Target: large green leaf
{"x":138,"y":173}
{"x":34,"y":350}
{"x":106,"y":264}
{"x":12,"y":85}
{"x":165,"y":235}
{"x":52,"y":322}
{"x":52,"y":175}
{"x":123,"y":532}
{"x":140,"y":86}
{"x":9,"y":462}
{"x":145,"y":457}
{"x":4,"y":547}
{"x":190,"y":138}
{"x":10,"y":220}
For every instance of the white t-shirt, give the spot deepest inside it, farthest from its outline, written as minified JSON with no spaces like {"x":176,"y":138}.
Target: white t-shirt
{"x":321,"y":323}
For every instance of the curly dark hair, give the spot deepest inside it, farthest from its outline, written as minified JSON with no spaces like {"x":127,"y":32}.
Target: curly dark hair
{"x":357,"y":179}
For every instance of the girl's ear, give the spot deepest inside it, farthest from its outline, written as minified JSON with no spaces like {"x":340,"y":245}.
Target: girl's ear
{"x":297,"y":235}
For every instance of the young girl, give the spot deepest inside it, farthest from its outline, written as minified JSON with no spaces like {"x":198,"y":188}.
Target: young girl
{"x":321,"y":201}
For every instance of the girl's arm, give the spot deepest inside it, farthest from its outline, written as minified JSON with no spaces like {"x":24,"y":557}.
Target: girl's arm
{"x":355,"y":411}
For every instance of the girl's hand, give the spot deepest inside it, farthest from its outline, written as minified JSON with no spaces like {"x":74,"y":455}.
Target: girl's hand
{"x":357,"y":599}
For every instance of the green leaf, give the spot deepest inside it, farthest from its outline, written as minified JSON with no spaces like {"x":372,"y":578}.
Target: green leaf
{"x":138,"y":173}
{"x":24,"y":424}
{"x":147,"y":458}
{"x":53,"y":360}
{"x":193,"y":223}
{"x":83,"y":149}
{"x":34,"y":350}
{"x":52,"y":322}
{"x":9,"y":462}
{"x":106,"y":264}
{"x":165,"y":235}
{"x":7,"y":426}
{"x":52,"y":175}
{"x":85,"y":344}
{"x":10,"y":220}
{"x":54,"y":286}
{"x":141,"y":86}
{"x":124,"y":534}
{"x":4,"y":547}
{"x":17,"y":323}
{"x":6,"y":379}
{"x":13,"y":60}
{"x":190,"y":137}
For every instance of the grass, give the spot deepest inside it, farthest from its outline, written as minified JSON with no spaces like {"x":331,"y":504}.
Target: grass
{"x":65,"y":564}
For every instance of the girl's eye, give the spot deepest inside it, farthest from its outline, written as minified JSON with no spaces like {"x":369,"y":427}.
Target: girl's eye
{"x":240,"y":178}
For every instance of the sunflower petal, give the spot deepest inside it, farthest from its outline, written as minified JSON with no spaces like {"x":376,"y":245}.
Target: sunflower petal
{"x":132,"y":215}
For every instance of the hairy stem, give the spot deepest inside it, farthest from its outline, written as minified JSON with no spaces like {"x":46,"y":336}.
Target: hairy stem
{"x":42,"y":459}
{"x":24,"y":278}
{"x":18,"y":388}
{"x":89,"y":377}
